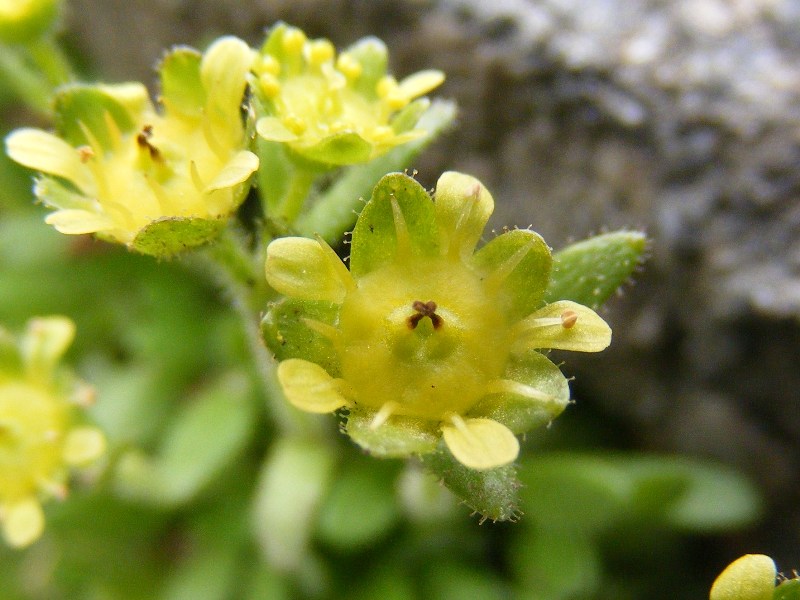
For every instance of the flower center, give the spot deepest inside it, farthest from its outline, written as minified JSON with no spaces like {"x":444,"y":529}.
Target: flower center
{"x":424,"y":309}
{"x":429,"y":357}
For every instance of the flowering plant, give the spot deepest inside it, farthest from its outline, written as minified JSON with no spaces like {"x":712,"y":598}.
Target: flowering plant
{"x":437,"y":345}
{"x":425,"y":338}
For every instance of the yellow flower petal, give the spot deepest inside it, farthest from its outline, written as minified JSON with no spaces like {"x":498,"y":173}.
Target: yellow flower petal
{"x":564,"y":325}
{"x":480,"y":444}
{"x":47,"y":153}
{"x":222,"y":70}
{"x":236,"y":171}
{"x":751,"y":577}
{"x":463,"y":207}
{"x":77,"y":221}
{"x":420,"y":83}
{"x":23,"y":522}
{"x":83,"y":445}
{"x":306,"y":269}
{"x":44,"y":342}
{"x":309,"y":387}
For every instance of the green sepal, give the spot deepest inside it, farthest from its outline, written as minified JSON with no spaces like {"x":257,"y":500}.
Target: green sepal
{"x":339,"y":149}
{"x":521,"y":413}
{"x":168,"y":236}
{"x":787,"y":590}
{"x":375,"y":240}
{"x":80,"y":106}
{"x":273,"y":44}
{"x":287,"y":335}
{"x":182,"y":90}
{"x":396,"y":438}
{"x":407,"y":119}
{"x":335,"y":209}
{"x":588,"y":272}
{"x":373,"y":55}
{"x":493,"y":494}
{"x":522,"y":288}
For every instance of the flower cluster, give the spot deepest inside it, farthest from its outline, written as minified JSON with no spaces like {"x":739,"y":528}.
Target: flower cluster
{"x":424,"y":338}
{"x":336,"y":110}
{"x":40,"y":434}
{"x":157,"y":180}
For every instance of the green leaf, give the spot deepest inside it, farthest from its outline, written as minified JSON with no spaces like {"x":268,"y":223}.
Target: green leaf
{"x":493,"y":494}
{"x":521,"y":413}
{"x":454,"y":580}
{"x":187,"y":462}
{"x":374,"y":58}
{"x":574,"y":492}
{"x":361,"y":507}
{"x":375,"y":237}
{"x":80,"y":106}
{"x":518,"y":264}
{"x":694,"y":495}
{"x":588,"y":272}
{"x":335,"y":210}
{"x":555,"y":565}
{"x":295,"y":477}
{"x":168,"y":236}
{"x":398,"y":437}
{"x":181,"y":88}
{"x":286,"y":331}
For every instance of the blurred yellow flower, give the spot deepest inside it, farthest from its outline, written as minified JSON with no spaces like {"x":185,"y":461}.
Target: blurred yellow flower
{"x":336,"y":110}
{"x":157,"y":181}
{"x":40,"y":436}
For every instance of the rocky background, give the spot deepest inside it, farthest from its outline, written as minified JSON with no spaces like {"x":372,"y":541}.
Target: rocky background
{"x":681,"y":117}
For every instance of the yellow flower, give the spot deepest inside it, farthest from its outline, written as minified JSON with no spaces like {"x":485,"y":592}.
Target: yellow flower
{"x":157,"y":181}
{"x":25,"y":20}
{"x":40,"y":436}
{"x":424,"y":338}
{"x":336,"y":110}
{"x":750,"y":577}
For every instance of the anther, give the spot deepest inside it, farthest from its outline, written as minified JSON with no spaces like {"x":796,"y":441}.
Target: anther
{"x":143,"y":140}
{"x":424,"y":309}
{"x":85,"y":153}
{"x":568,"y":319}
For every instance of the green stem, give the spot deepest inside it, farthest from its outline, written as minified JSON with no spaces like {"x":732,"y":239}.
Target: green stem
{"x":239,"y":272}
{"x":296,"y":195}
{"x":27,"y":83}
{"x":51,"y":61}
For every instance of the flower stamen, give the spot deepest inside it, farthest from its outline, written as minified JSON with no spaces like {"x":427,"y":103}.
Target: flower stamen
{"x":383,"y":414}
{"x":425,"y":309}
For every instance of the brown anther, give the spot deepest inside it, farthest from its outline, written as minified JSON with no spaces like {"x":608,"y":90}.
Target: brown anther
{"x":85,"y":153}
{"x":424,"y":309}
{"x":568,"y":319}
{"x":143,"y":139}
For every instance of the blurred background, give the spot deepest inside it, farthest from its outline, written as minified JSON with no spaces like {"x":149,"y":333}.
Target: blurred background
{"x":678,"y":117}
